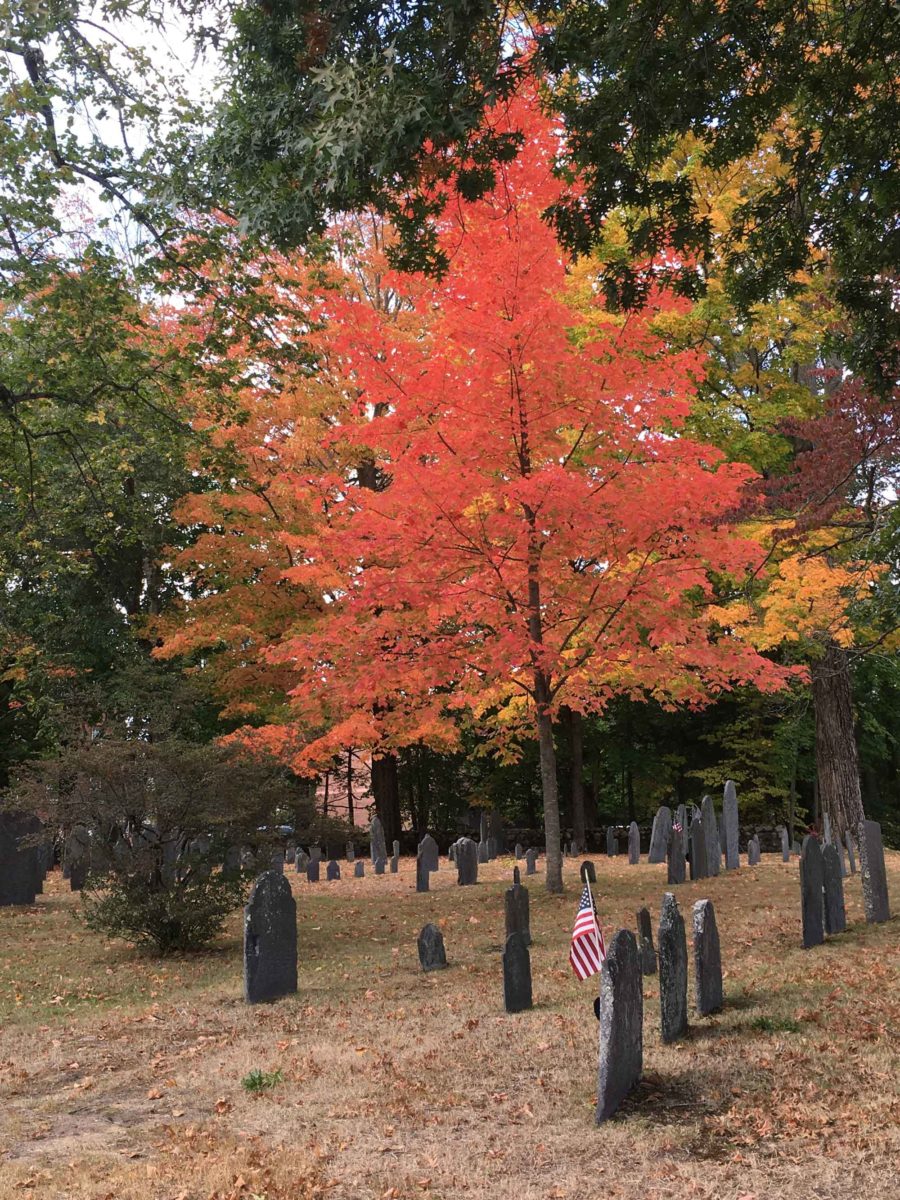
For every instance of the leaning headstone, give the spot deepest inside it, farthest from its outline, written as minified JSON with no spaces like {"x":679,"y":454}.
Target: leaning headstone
{"x":785,"y":845}
{"x":531,"y":857}
{"x":711,"y":829}
{"x":432,"y":955}
{"x":698,"y":849}
{"x":645,"y":942}
{"x":270,"y":940}
{"x":659,"y":838}
{"x":851,"y":857}
{"x":812,"y":882}
{"x":835,"y":913}
{"x":612,"y":843}
{"x":466,"y":861}
{"x":301,"y":862}
{"x":709,"y":996}
{"x":519,"y":852}
{"x":332,"y":871}
{"x":380,"y":864}
{"x":428,"y":848}
{"x":634,"y":844}
{"x":19,"y":862}
{"x":676,"y":858}
{"x":753,"y":853}
{"x":377,"y":844}
{"x":516,"y":974}
{"x":313,"y":868}
{"x":621,"y":1014}
{"x":730,"y":822}
{"x":423,"y":875}
{"x":673,"y":970}
{"x":516,"y":906}
{"x":874,"y":877}
{"x":394,"y":864}
{"x":359,"y":869}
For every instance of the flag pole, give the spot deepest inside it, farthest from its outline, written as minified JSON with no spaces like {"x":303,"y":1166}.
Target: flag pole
{"x":586,"y":876}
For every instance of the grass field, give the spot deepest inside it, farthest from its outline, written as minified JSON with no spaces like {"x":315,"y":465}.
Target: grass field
{"x":120,"y":1075}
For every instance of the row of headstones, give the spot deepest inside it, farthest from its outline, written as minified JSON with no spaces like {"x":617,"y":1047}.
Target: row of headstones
{"x":822,"y":883}
{"x":24,"y":862}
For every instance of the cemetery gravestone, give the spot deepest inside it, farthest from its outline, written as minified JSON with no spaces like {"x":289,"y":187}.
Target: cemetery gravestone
{"x":659,"y":838}
{"x":277,"y":860}
{"x":270,"y":940}
{"x":681,"y":821}
{"x":315,"y":853}
{"x":785,"y":845}
{"x":588,"y":872}
{"x":380,"y":864}
{"x":612,"y":844}
{"x":621,"y":1014}
{"x":707,"y":959}
{"x":312,"y":870}
{"x":482,"y":852}
{"x":850,"y":855}
{"x":423,"y":875}
{"x":495,"y":833}
{"x":359,"y":869}
{"x":377,"y":844}
{"x":634,"y":844}
{"x":730,"y":824}
{"x":290,"y":855}
{"x":332,"y":871}
{"x":874,"y":877}
{"x":301,"y":862}
{"x":645,"y":942}
{"x":428,"y":848}
{"x":753,"y":853}
{"x":812,"y":881}
{"x":432,"y":955}
{"x":19,"y":862}
{"x":676,"y":858}
{"x":519,"y":852}
{"x":531,"y":857}
{"x":466,"y":862}
{"x":835,"y":913}
{"x":394,"y":865}
{"x":672,"y":945}
{"x":516,"y":906}
{"x":516,"y":974}
{"x":698,"y":849}
{"x":711,"y":830}
{"x":351,"y":852}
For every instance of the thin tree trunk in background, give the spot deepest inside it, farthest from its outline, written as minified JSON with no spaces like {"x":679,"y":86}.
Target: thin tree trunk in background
{"x":386,"y":793}
{"x":550,"y":792}
{"x":792,"y":802}
{"x":837,"y":760}
{"x":629,"y":793}
{"x":351,"y":816}
{"x":576,"y":736}
{"x":325,"y":799}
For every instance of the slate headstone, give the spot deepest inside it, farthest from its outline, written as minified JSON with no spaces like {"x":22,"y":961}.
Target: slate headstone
{"x":698,"y":849}
{"x":482,"y":852}
{"x":681,"y":820}
{"x":428,"y":848}
{"x":709,"y":996}
{"x":730,"y":823}
{"x":531,"y":857}
{"x":432,"y":955}
{"x":518,"y":919}
{"x":270,"y":940}
{"x":313,"y":867}
{"x":332,"y":871}
{"x":676,"y":873}
{"x":351,"y":852}
{"x":812,"y":882}
{"x":851,"y":857}
{"x":315,"y":853}
{"x":301,"y":862}
{"x":19,"y":861}
{"x":516,"y":974}
{"x":423,"y":875}
{"x":874,"y":876}
{"x":359,"y":869}
{"x":380,"y":864}
{"x":394,"y":864}
{"x":835,"y":913}
{"x":711,"y":830}
{"x":466,"y":862}
{"x":753,"y":852}
{"x":659,"y":838}
{"x":634,"y":844}
{"x":588,"y":872}
{"x":519,"y":852}
{"x":276,"y":859}
{"x":612,"y":842}
{"x":396,"y":848}
{"x":673,"y":970}
{"x":785,"y":845}
{"x":621,"y":1013}
{"x":377,"y":844}
{"x":645,"y":942}
{"x":290,"y":854}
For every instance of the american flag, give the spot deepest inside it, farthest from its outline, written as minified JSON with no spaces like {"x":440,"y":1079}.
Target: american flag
{"x":588,"y":951}
{"x":676,"y":827}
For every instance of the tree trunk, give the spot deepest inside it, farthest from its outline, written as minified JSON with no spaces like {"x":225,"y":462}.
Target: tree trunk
{"x":576,"y":736}
{"x":351,"y":815}
{"x":549,"y":784}
{"x":837,"y":762}
{"x":386,"y":792}
{"x":629,"y":793}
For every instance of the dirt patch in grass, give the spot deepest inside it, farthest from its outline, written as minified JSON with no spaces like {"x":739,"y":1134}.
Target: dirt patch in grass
{"x":120,"y":1076}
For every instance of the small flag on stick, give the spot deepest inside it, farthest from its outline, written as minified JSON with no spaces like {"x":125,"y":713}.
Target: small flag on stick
{"x":588,"y":951}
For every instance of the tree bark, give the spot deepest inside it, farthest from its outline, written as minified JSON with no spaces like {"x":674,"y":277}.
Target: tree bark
{"x":576,"y":741}
{"x":837,"y":761}
{"x":386,"y":793}
{"x":550,"y":791}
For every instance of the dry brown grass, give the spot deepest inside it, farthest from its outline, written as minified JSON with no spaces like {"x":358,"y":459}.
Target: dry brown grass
{"x":120,"y":1076}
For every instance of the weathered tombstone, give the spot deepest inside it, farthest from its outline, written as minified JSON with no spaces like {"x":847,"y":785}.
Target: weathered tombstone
{"x":496,"y":833}
{"x":301,"y":862}
{"x":709,"y":996}
{"x":380,"y":864}
{"x":359,"y":869}
{"x":645,"y":942}
{"x":432,"y":955}
{"x":313,"y":868}
{"x":785,"y":845}
{"x":753,"y":853}
{"x":277,"y":860}
{"x":332,"y":871}
{"x":676,"y":861}
{"x":681,"y":820}
{"x":482,"y":852}
{"x":659,"y":838}
{"x":377,"y":844}
{"x":466,"y":861}
{"x":588,"y":872}
{"x":711,"y":829}
{"x":519,"y":852}
{"x":673,"y":970}
{"x":394,"y":864}
{"x":428,"y":848}
{"x":621,"y":1014}
{"x":874,"y":877}
{"x":483,"y":830}
{"x":315,"y":853}
{"x":634,"y":844}
{"x":698,"y":849}
{"x":351,"y":852}
{"x":835,"y":913}
{"x":423,"y":875}
{"x":516,"y":906}
{"x":850,"y":855}
{"x":531,"y":857}
{"x":812,"y":882}
{"x":270,"y":940}
{"x":19,"y":862}
{"x":516,"y":974}
{"x":612,"y":842}
{"x":730,"y":823}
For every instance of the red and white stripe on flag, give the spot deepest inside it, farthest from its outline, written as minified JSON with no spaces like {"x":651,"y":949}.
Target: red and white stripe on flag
{"x":588,"y":951}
